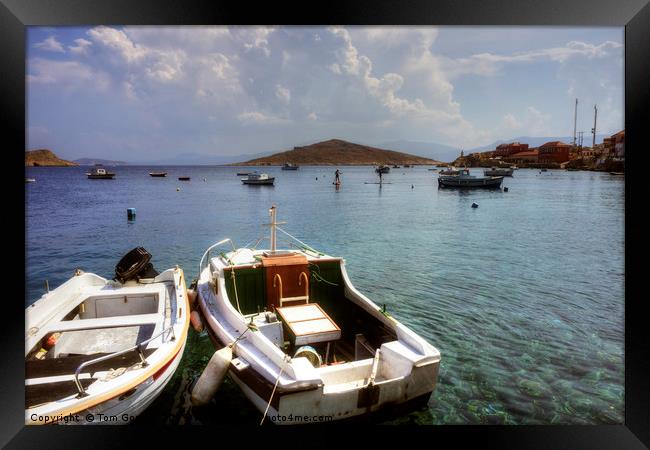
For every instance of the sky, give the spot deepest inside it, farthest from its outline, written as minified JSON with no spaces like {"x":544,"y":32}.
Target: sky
{"x":145,"y":93}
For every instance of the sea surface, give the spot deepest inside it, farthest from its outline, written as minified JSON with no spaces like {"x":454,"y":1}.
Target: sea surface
{"x":523,"y":296}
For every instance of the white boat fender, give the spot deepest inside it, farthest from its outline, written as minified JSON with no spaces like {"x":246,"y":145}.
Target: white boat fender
{"x":212,"y":376}
{"x":195,"y":320}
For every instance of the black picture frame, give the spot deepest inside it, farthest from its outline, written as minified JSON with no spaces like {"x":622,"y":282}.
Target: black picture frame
{"x":634,"y":15}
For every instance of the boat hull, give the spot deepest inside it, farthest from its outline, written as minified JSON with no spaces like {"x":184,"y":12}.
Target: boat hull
{"x":118,"y":411}
{"x":315,"y":405}
{"x":101,"y":177}
{"x":268,"y":181}
{"x":498,"y":173}
{"x":458,"y":182}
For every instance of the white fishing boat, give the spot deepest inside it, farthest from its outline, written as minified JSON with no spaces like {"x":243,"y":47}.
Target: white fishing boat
{"x":465,"y":180}
{"x":99,"y":173}
{"x":498,"y":172}
{"x":258,"y":179}
{"x":450,"y":171}
{"x":100,"y":351}
{"x":305,"y":342}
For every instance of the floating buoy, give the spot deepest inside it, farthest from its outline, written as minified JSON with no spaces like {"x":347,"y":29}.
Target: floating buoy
{"x":411,"y":186}
{"x":195,"y":320}
{"x":316,"y":178}
{"x":191,"y":295}
{"x":178,"y":189}
{"x":474,"y":205}
{"x":130,"y":213}
{"x":213,"y":374}
{"x":205,"y":179}
{"x":50,"y":340}
{"x":505,"y":189}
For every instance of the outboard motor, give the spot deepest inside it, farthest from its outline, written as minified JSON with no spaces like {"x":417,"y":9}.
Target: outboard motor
{"x":135,"y":264}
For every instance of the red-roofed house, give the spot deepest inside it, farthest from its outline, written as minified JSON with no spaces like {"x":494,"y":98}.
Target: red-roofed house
{"x":510,"y":149}
{"x":554,"y":151}
{"x":522,"y":157}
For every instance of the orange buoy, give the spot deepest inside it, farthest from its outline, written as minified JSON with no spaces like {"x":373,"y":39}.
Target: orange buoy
{"x":50,"y":340}
{"x":191,"y":295}
{"x":195,"y":320}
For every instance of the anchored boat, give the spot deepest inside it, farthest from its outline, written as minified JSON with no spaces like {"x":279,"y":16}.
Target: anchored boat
{"x":258,"y":179}
{"x":498,"y":172}
{"x":305,"y":342}
{"x":158,"y":174}
{"x":465,"y":180}
{"x":450,"y":171}
{"x":99,"y":173}
{"x":289,"y":166}
{"x":96,"y":346}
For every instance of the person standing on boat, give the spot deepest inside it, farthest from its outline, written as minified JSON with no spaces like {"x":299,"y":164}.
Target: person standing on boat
{"x":380,"y":175}
{"x":337,"y":179}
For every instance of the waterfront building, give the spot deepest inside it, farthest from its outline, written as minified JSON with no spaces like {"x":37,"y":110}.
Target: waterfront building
{"x":529,"y":156}
{"x":554,"y":151}
{"x":510,"y":149}
{"x":619,"y":145}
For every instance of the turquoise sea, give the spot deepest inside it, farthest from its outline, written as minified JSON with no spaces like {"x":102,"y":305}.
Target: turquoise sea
{"x":523,"y":296}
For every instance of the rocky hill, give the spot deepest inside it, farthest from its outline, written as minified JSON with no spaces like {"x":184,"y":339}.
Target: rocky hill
{"x":336,"y":152}
{"x":44,"y":157}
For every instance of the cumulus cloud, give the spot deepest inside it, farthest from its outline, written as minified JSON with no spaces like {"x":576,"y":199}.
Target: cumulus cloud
{"x":50,"y":44}
{"x":213,"y":85}
{"x":82,"y":47}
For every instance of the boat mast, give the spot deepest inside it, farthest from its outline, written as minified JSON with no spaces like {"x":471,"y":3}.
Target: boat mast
{"x":273,"y":225}
{"x":575,"y":120}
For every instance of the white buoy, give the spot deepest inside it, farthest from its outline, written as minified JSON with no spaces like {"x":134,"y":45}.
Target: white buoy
{"x":212,"y":376}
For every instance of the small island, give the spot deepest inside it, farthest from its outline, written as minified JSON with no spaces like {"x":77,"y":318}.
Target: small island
{"x":336,"y":152}
{"x":45,"y":157}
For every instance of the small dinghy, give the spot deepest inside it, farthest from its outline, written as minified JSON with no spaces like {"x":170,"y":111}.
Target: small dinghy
{"x":158,"y":174}
{"x":301,"y":341}
{"x":101,"y":351}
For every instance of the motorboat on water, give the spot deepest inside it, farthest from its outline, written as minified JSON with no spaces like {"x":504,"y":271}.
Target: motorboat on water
{"x":465,"y":180}
{"x":450,"y":171}
{"x":158,"y":174}
{"x":98,"y":348}
{"x":184,"y":178}
{"x":30,"y":180}
{"x":99,"y":173}
{"x":289,"y":166}
{"x":305,"y":342}
{"x":258,"y":179}
{"x":498,"y":172}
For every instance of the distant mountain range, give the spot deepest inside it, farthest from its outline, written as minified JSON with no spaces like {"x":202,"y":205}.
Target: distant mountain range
{"x":339,"y":152}
{"x":432,"y":150}
{"x":200,"y":159}
{"x":104,"y":162}
{"x":537,"y":141}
